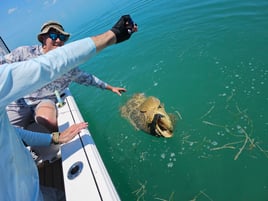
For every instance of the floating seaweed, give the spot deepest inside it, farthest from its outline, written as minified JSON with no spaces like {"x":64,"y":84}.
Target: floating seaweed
{"x":201,"y":193}
{"x":246,"y":142}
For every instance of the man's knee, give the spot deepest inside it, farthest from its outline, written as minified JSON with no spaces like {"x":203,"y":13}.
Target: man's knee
{"x":46,"y":115}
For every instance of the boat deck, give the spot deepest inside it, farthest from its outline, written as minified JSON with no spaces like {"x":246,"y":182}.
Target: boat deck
{"x":50,"y":174}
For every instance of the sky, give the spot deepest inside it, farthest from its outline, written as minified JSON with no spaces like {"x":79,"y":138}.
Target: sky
{"x":21,"y":20}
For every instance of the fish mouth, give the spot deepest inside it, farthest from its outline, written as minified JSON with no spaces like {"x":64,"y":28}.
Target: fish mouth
{"x":161,"y":126}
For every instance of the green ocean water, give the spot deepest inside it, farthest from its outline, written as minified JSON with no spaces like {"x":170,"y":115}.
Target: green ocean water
{"x":207,"y":62}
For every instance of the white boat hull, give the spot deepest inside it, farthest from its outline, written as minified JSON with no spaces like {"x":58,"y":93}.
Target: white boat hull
{"x":85,"y":175}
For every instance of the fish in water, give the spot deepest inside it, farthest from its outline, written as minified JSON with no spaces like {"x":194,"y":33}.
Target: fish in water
{"x":149,"y":115}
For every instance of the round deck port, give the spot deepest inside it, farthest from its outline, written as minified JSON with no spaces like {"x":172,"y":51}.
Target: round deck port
{"x":75,"y":170}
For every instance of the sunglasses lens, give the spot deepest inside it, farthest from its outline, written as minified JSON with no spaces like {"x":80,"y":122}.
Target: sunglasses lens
{"x":54,"y":36}
{"x":62,"y":37}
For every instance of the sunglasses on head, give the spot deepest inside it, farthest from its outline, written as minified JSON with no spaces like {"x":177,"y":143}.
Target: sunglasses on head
{"x":54,"y":36}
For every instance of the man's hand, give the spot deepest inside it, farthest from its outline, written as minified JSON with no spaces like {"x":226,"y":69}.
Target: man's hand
{"x":71,"y":132}
{"x":120,"y":32}
{"x":124,"y":28}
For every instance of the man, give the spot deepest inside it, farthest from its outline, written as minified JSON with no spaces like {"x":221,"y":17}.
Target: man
{"x":19,"y":175}
{"x":40,"y":105}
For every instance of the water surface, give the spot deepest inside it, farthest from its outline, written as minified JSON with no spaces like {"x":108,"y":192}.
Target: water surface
{"x":207,"y":62}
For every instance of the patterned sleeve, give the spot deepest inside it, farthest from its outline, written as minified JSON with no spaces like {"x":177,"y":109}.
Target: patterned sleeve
{"x":11,"y":57}
{"x":87,"y":79}
{"x":21,"y":54}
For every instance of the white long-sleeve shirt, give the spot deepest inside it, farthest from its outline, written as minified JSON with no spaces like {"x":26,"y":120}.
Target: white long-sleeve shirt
{"x":18,"y":172}
{"x":77,"y":75}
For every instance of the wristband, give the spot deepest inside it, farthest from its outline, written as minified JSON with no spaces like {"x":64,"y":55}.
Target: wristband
{"x":55,"y":137}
